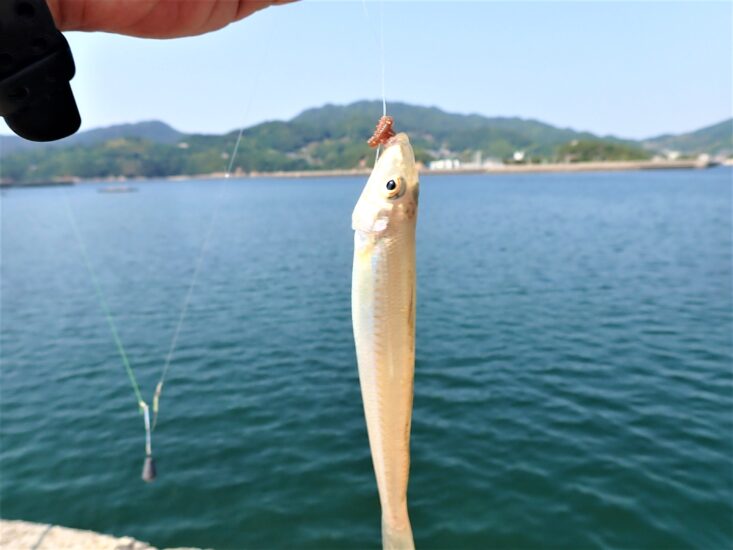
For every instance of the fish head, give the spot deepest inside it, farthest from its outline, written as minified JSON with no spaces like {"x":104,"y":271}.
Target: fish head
{"x":390,"y":196}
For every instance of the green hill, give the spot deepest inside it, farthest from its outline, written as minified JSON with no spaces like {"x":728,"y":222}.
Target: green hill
{"x":151,"y":130}
{"x":328,"y":137}
{"x":435,"y":130}
{"x":715,"y":140}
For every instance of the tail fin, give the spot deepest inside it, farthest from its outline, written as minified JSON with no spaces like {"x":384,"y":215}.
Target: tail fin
{"x":397,"y":538}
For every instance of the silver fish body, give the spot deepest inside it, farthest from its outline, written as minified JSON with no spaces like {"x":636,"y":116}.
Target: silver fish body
{"x":383,"y":314}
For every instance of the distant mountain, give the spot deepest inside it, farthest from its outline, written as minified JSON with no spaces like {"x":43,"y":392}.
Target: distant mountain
{"x":328,"y":137}
{"x":152,"y":130}
{"x":433,"y":129}
{"x":714,"y":140}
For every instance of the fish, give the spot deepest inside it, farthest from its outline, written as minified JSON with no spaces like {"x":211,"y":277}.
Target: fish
{"x":383,"y":316}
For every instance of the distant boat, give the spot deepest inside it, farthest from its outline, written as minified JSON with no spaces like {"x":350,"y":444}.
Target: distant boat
{"x":118,"y":189}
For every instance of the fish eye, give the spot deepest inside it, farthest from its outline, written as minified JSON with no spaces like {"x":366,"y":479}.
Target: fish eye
{"x":393,"y":187}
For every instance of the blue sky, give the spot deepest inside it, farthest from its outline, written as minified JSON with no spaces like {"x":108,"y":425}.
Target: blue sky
{"x":629,"y":69}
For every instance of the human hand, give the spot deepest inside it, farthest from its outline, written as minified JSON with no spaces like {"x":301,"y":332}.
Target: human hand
{"x":153,"y":18}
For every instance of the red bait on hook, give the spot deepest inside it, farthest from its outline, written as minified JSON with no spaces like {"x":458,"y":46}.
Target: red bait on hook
{"x":383,"y":132}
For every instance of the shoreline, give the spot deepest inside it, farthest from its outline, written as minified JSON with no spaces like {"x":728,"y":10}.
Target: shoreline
{"x":499,"y":169}
{"x":599,"y":166}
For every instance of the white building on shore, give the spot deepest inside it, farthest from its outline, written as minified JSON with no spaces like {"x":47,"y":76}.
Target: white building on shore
{"x":445,"y":164}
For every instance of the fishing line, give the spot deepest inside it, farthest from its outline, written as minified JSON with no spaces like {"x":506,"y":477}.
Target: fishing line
{"x":234,"y":153}
{"x":184,"y":308}
{"x":103,"y":302}
{"x":149,"y":465}
{"x":381,"y":51}
{"x":149,"y":470}
{"x":379,"y":40}
{"x":205,"y":245}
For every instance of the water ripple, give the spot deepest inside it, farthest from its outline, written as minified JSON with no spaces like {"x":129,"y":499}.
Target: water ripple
{"x":573,"y":381}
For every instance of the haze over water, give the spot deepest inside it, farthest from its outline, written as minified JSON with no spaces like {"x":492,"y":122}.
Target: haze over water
{"x":573,"y":377}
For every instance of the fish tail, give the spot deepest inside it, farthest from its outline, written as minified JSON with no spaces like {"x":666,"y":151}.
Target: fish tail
{"x":397,"y":537}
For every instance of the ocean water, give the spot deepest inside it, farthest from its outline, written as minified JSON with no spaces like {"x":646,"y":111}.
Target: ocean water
{"x":573,"y":388}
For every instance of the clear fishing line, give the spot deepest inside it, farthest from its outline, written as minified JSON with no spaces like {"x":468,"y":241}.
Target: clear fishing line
{"x":379,"y":40}
{"x":149,"y":471}
{"x":205,"y":245}
{"x":149,"y":465}
{"x":381,"y":51}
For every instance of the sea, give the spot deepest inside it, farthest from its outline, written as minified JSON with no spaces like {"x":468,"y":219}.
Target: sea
{"x":573,"y":380}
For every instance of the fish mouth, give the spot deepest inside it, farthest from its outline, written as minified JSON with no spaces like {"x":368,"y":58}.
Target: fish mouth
{"x":397,"y":139}
{"x":391,"y":141}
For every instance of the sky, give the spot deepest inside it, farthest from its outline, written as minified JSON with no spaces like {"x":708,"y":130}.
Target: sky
{"x":633,"y":70}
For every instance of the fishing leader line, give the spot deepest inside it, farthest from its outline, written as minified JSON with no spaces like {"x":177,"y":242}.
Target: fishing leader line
{"x":149,"y":465}
{"x":204,"y":247}
{"x":149,"y":472}
{"x":379,"y":40}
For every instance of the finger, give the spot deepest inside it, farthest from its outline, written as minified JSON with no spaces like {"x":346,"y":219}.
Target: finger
{"x":248,"y":7}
